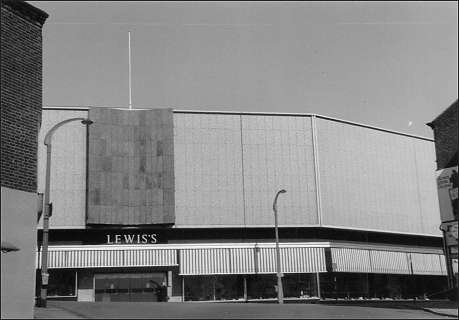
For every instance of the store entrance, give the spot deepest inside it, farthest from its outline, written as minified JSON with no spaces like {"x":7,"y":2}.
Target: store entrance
{"x":130,"y":287}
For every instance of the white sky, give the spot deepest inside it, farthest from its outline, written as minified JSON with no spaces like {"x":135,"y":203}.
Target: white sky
{"x":381,"y":63}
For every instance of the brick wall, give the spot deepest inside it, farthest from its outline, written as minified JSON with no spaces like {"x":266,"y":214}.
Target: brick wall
{"x":21,"y":93}
{"x":446,"y":137}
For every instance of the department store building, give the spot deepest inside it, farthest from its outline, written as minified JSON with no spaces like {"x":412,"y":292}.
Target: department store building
{"x":171,"y":205}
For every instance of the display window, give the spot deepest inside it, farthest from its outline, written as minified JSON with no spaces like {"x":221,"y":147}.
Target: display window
{"x":62,"y":283}
{"x":208,"y":288}
{"x":358,"y":286}
{"x":130,"y":287}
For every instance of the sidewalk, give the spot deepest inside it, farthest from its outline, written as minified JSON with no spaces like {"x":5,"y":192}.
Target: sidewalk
{"x":191,"y":310}
{"x":442,"y":311}
{"x":438,"y":307}
{"x":53,"y":312}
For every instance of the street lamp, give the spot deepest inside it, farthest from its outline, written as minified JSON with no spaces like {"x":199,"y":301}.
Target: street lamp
{"x":46,"y":209}
{"x":280,"y":290}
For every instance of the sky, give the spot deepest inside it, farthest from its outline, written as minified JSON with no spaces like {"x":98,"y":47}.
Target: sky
{"x":387,"y":64}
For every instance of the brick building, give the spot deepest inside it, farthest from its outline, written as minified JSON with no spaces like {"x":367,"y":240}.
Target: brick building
{"x":446,"y":137}
{"x":21,"y":103}
{"x":445,"y":128}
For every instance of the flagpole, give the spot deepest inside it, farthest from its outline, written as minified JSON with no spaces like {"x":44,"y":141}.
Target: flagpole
{"x":130,"y":79}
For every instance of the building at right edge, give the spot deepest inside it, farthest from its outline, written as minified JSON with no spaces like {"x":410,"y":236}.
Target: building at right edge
{"x":184,"y":199}
{"x":445,"y":128}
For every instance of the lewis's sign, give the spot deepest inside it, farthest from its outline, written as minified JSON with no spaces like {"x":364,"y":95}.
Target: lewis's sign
{"x":142,"y":238}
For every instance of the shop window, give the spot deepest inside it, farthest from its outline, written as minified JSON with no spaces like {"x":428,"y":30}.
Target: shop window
{"x":344,"y":286}
{"x":300,"y":286}
{"x":61,"y":283}
{"x":380,"y":286}
{"x":229,"y":288}
{"x":261,"y":286}
{"x":130,"y":287}
{"x":207,"y":288}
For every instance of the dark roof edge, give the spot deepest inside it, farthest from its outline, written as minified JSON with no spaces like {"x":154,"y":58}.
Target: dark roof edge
{"x":307,"y":115}
{"x":26,"y":10}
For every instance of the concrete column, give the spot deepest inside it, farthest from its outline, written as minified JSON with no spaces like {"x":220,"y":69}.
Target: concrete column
{"x":85,"y":286}
{"x":245,"y":288}
{"x":183,"y":288}
{"x":318,"y":285}
{"x":169,"y":284}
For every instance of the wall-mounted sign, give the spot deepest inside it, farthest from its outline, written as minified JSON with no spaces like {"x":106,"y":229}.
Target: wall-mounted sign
{"x":141,"y":238}
{"x":451,"y":232}
{"x":447,"y":185}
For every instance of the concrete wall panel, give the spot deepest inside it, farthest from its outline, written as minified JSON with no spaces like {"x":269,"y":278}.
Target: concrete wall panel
{"x":278,"y":154}
{"x":18,"y":267}
{"x":376,"y":180}
{"x":208,"y":169}
{"x":68,"y":168}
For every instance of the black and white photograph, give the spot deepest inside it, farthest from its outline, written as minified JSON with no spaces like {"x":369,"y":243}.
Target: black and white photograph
{"x":229,"y":159}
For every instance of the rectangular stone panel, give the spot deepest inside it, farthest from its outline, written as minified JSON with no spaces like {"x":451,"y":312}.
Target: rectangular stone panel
{"x":130,"y":167}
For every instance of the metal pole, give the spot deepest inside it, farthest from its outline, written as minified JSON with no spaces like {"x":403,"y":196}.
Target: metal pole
{"x":280,"y":290}
{"x":44,"y":250}
{"x":448,"y":260}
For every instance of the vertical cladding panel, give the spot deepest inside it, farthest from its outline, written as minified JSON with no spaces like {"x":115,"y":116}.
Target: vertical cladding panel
{"x":428,"y":194}
{"x":389,"y":262}
{"x":208,"y":169}
{"x":278,"y":154}
{"x":131,"y":177}
{"x":68,"y":168}
{"x":375,"y":180}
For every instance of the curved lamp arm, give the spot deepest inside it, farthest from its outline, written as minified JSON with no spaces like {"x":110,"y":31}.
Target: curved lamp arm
{"x":277,"y":195}
{"x":60,"y":124}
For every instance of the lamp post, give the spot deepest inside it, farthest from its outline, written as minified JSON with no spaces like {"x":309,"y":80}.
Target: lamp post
{"x":44,"y":250}
{"x":280,"y":290}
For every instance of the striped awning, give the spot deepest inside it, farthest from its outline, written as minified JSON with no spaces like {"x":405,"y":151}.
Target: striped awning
{"x":350,"y":260}
{"x":254,"y":258}
{"x":431,"y":264}
{"x":207,"y":261}
{"x":216,"y":261}
{"x":82,"y":257}
{"x":389,"y":262}
{"x":293,"y":260}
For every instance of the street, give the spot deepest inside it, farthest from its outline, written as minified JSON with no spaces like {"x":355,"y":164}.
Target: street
{"x":206,"y":310}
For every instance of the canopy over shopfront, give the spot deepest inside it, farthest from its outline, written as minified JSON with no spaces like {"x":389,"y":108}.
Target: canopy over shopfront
{"x":252,"y":258}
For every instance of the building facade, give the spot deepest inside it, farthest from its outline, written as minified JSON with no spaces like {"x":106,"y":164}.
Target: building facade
{"x":445,"y":130}
{"x":21,"y":107}
{"x":162,"y":204}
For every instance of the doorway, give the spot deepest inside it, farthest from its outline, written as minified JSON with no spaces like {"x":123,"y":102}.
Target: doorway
{"x":129,"y":286}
